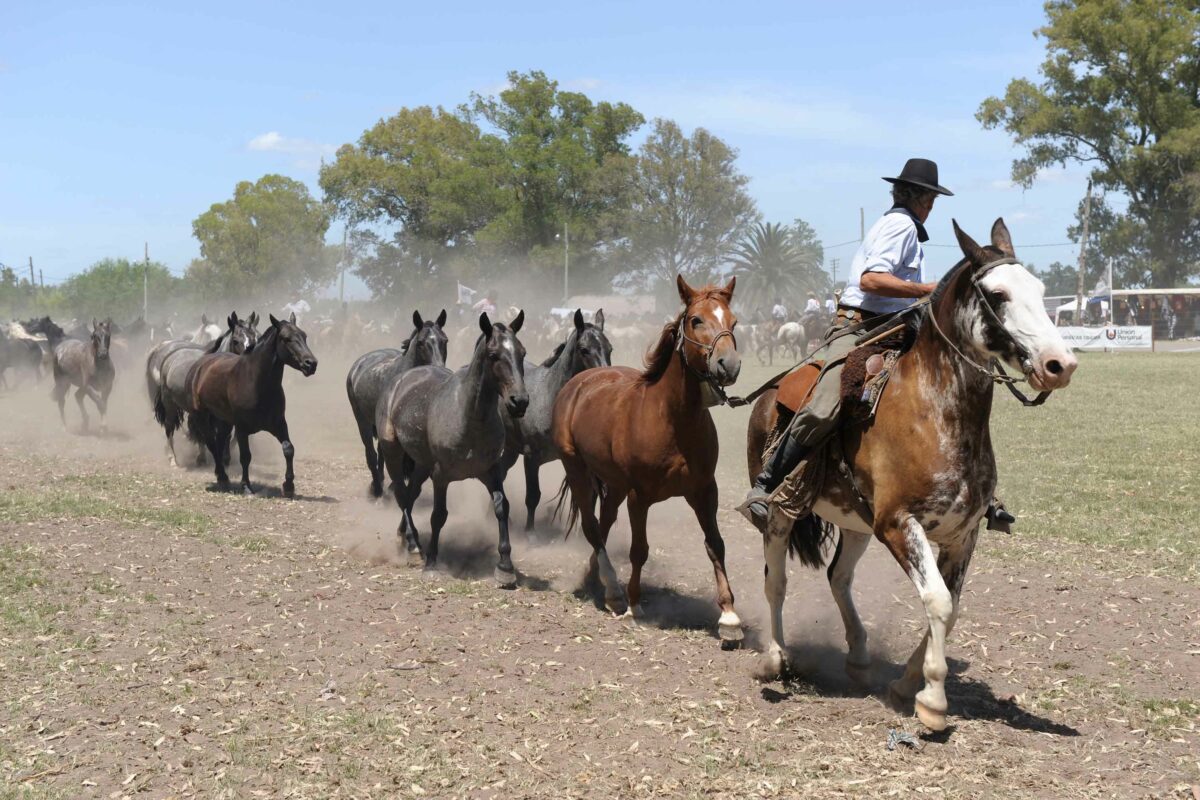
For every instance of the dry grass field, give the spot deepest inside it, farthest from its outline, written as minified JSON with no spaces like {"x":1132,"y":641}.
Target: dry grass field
{"x":161,"y":639}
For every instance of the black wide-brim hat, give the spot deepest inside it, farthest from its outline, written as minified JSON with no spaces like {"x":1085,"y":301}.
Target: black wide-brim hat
{"x":921,"y":172}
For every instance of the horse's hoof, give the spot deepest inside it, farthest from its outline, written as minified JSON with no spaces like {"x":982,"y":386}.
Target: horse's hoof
{"x":770,"y":667}
{"x":617,"y":605}
{"x":859,"y":673}
{"x":930,"y":718}
{"x":431,"y":572}
{"x":731,"y":636}
{"x":506,"y":578}
{"x":897,"y":700}
{"x":415,"y":559}
{"x":247,"y":490}
{"x":289,"y":490}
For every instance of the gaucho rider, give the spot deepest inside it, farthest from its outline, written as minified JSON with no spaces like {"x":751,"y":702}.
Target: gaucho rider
{"x":886,"y":276}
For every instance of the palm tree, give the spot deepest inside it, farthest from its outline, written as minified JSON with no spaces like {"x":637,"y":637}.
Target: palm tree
{"x":774,"y":260}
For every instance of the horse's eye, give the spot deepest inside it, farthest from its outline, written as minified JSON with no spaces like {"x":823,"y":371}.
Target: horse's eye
{"x":998,"y":297}
{"x":494,"y":356}
{"x":697,"y":322}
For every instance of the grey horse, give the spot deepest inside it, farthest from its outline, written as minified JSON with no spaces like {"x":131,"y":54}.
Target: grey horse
{"x":449,"y":426}
{"x":167,"y":367}
{"x":373,"y":374}
{"x":85,"y":364}
{"x":530,"y":435}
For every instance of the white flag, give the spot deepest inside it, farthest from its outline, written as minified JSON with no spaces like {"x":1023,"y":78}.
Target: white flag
{"x":465,"y":294}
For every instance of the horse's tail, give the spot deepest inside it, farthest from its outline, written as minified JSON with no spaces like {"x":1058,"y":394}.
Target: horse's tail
{"x":808,"y":538}
{"x":195,"y":430}
{"x":600,"y":490}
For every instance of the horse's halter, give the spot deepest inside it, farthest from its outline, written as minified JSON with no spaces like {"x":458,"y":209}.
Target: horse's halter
{"x":994,"y":371}
{"x":707,"y":350}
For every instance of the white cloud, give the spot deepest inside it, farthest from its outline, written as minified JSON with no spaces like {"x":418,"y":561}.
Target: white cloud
{"x":306,"y":154}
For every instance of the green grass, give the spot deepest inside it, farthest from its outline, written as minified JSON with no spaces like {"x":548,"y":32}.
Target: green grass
{"x":23,"y":505}
{"x":24,"y":610}
{"x":1112,"y":461}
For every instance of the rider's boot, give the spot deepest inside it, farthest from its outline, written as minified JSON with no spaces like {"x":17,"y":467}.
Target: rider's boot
{"x":998,"y":517}
{"x":787,"y":455}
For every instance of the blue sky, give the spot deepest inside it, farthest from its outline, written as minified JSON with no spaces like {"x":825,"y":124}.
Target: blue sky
{"x":121,"y":122}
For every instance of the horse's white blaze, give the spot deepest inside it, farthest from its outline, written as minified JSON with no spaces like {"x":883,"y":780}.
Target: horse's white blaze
{"x":1025,"y":316}
{"x":719,"y":313}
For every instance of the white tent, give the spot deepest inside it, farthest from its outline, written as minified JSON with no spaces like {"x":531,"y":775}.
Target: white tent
{"x":1070,"y":307}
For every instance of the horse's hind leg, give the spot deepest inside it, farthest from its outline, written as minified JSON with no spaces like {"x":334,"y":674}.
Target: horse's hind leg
{"x":218,"y":443}
{"x":583,"y":498}
{"x":850,"y":548}
{"x":506,"y":574}
{"x":704,"y":503}
{"x":639,"y":547}
{"x":933,"y":578}
{"x":366,"y":432}
{"x":243,"y":440}
{"x":60,"y":396}
{"x":533,"y":490}
{"x":408,"y":484}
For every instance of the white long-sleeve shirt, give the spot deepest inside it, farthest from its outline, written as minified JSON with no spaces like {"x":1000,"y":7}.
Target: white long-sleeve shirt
{"x":890,"y":246}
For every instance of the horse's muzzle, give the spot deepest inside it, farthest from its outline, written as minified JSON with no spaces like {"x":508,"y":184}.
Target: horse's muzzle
{"x":517,"y":404}
{"x":308,"y":367}
{"x":1053,"y":370}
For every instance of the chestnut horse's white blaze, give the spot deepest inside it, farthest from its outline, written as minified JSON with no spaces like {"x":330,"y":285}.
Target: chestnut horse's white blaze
{"x":925,"y":465}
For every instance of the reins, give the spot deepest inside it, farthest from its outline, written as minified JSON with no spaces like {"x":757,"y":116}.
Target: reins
{"x":994,"y":372}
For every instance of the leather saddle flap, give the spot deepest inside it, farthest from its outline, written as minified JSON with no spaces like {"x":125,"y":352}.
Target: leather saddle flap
{"x":795,"y":387}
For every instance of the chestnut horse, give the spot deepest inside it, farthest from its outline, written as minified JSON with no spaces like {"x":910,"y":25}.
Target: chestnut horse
{"x":648,"y":436}
{"x":923,"y":471}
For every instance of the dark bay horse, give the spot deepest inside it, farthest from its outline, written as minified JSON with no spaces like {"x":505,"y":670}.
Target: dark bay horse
{"x":372,"y":375}
{"x":529,"y":436}
{"x":449,"y":426}
{"x":648,"y":436}
{"x":85,"y":364}
{"x":923,"y":472}
{"x":244,"y":394}
{"x":168,"y":365}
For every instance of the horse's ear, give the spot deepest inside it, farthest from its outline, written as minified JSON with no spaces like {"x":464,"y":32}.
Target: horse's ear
{"x":441,"y":320}
{"x":728,"y":290}
{"x":518,"y":322}
{"x":485,"y":324}
{"x":686,"y":293}
{"x":1001,"y":239}
{"x":274,"y":322}
{"x":253,"y":318}
{"x":417,"y":321}
{"x":233,"y":320}
{"x":598,"y":319}
{"x":292,"y":318}
{"x":579,"y":319}
{"x":970,"y":247}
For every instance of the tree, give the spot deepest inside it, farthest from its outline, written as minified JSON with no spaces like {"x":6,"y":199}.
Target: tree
{"x":269,"y":239}
{"x":689,"y":205}
{"x":113,"y":288}
{"x":1059,"y":278}
{"x":774,"y":260}
{"x":1120,"y":92}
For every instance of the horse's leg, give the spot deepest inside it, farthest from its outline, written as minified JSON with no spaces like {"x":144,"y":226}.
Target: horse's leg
{"x":243,"y":440}
{"x":218,"y":446}
{"x":366,"y":432}
{"x":850,"y":548}
{"x":639,"y":546}
{"x":906,"y":540}
{"x":506,"y":574}
{"x":280,"y":432}
{"x":773,"y":663}
{"x":583,"y":499}
{"x":704,"y":503}
{"x":80,"y":393}
{"x":60,"y":396}
{"x":533,"y":490}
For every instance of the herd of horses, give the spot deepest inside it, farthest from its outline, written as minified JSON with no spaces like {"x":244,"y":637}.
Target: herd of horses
{"x":921,"y":472}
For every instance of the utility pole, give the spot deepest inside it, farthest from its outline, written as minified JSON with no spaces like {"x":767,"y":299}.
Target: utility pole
{"x":566,"y":262}
{"x":146,"y":283}
{"x":1087,"y":213}
{"x":41,"y":279}
{"x":31,"y":283}
{"x":833,"y":265}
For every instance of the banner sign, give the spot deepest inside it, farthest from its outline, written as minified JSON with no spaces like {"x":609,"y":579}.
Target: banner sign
{"x":1110,"y":337}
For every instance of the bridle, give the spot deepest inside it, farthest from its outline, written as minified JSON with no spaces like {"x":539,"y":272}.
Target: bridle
{"x":707,"y":349}
{"x":994,"y":371}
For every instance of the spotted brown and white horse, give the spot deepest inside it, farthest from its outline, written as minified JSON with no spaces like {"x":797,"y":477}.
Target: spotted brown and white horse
{"x":923,"y":472}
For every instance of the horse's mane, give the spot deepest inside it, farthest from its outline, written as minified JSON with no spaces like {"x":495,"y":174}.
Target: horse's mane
{"x":408,"y":342}
{"x":215,"y":345}
{"x":658,"y":357}
{"x":558,"y":351}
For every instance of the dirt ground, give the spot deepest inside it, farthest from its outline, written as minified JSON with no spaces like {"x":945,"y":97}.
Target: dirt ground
{"x":162,"y":639}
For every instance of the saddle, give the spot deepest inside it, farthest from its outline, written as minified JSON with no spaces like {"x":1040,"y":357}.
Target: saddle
{"x":865,"y":373}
